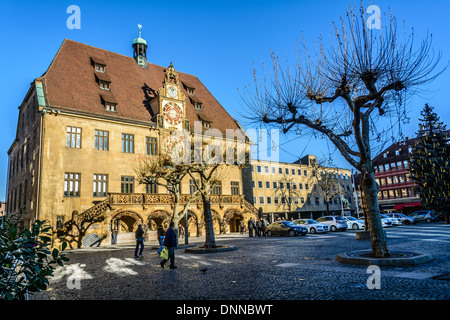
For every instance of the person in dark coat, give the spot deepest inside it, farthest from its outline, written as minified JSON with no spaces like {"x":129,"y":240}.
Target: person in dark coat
{"x":251,"y":226}
{"x":170,"y":242}
{"x":258,"y":228}
{"x":139,"y":242}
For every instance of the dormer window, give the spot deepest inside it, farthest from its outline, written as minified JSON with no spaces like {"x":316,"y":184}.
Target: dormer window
{"x":198,"y":106}
{"x":104,"y":85}
{"x":190,"y":90}
{"x":100,"y":68}
{"x":207,"y":124}
{"x":112,"y":107}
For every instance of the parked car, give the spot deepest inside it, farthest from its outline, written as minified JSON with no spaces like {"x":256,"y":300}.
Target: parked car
{"x":335,"y":223}
{"x":394,"y":221}
{"x":312,"y":225}
{"x":285,"y":228}
{"x":354,"y":223}
{"x":425,"y":215}
{"x":403,"y":218}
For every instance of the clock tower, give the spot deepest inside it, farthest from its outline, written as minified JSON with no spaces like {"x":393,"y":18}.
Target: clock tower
{"x":172,"y":102}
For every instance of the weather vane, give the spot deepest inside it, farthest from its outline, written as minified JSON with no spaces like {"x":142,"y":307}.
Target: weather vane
{"x":140,"y":27}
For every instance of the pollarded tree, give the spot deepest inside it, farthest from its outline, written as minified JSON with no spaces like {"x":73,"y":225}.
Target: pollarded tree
{"x":344,"y":92}
{"x":430,"y":162}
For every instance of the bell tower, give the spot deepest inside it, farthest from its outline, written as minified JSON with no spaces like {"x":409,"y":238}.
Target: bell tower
{"x":140,"y":50}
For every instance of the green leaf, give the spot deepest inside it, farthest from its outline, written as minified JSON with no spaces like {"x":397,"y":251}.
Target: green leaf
{"x":64,"y":246}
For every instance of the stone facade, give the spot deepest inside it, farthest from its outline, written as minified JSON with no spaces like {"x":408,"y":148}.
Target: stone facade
{"x":79,"y":142}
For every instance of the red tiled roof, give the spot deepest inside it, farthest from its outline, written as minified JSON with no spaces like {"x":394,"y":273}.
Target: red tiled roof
{"x":70,"y":84}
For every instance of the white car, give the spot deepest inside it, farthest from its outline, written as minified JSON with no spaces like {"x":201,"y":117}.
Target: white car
{"x":394,"y":221}
{"x":312,"y":225}
{"x":354,"y":223}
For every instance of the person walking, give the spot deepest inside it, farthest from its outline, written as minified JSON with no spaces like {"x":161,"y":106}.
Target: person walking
{"x":160,"y":234}
{"x":170,"y":242}
{"x":139,"y":242}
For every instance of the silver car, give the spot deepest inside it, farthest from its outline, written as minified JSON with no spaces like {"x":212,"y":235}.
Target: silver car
{"x":403,"y":218}
{"x":335,"y":223}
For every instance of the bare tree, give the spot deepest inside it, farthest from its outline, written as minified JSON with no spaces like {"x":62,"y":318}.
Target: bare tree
{"x":323,"y":177}
{"x":164,"y":172}
{"x":287,"y":192}
{"x":352,"y":92}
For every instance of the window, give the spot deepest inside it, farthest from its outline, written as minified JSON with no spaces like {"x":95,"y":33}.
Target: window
{"x":192,"y":186}
{"x":299,"y":172}
{"x":110,"y":107}
{"x":72,"y":184}
{"x":127,"y":184}
{"x":266,"y":169}
{"x":281,"y":185}
{"x":380,"y":168}
{"x":306,"y":186}
{"x":260,"y":184}
{"x":280,"y":170}
{"x":73,"y":138}
{"x":258,"y":169}
{"x":198,"y":106}
{"x":399,"y":165}
{"x":394,"y":179}
{"x":234,"y":188}
{"x":59,"y":222}
{"x":100,"y":185}
{"x":293,"y":172}
{"x":305,"y":173}
{"x":127,"y":143}
{"x":267,"y":184}
{"x":386,"y":167}
{"x":101,"y":140}
{"x":286,"y":171}
{"x":261,"y":200}
{"x":389,"y":180}
{"x":275,"y":200}
{"x":269,"y":200}
{"x":296,"y":200}
{"x":207,"y":124}
{"x":190,"y":90}
{"x":151,"y":146}
{"x":274,"y":185}
{"x":100,"y":68}
{"x":216,"y":188}
{"x":103,"y":85}
{"x":151,"y":187}
{"x":300,"y":186}
{"x":274,"y":170}
{"x":302,"y":200}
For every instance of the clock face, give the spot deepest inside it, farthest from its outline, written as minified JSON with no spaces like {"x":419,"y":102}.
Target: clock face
{"x":172,"y":113}
{"x":172,"y":91}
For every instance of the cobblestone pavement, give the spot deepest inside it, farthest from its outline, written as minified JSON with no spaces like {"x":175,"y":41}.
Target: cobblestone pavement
{"x":262,"y":268}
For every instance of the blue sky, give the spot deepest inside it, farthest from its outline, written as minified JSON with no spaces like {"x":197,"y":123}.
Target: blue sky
{"x":218,"y":41}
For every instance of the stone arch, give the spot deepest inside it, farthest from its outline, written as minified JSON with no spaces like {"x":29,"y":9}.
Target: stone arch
{"x":157,"y":218}
{"x":195,"y":223}
{"x":232,"y":219}
{"x":126,"y":222}
{"x":219,"y":227}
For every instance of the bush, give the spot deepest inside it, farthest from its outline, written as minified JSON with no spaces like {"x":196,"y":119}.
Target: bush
{"x":26,"y":261}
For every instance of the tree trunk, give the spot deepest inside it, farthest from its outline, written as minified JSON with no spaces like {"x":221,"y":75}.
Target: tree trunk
{"x":210,"y":241}
{"x":372,"y":215}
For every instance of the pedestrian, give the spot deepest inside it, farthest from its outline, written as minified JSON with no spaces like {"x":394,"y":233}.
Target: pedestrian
{"x":139,"y":242}
{"x":250,"y":227}
{"x":181,"y":231}
{"x":258,"y":228}
{"x":264,"y":225}
{"x":160,"y":234}
{"x":242,"y":226}
{"x":114,"y":236}
{"x":170,"y":242}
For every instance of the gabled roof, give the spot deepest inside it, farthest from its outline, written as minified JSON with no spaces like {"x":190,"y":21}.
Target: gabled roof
{"x":70,"y":83}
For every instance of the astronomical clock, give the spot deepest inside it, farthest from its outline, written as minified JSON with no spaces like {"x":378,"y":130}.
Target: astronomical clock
{"x":170,"y":108}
